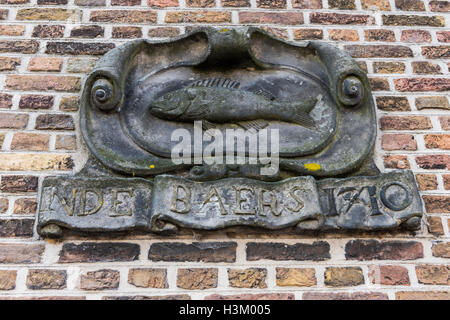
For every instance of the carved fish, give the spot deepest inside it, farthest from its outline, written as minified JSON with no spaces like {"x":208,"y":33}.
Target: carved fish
{"x":221,"y":101}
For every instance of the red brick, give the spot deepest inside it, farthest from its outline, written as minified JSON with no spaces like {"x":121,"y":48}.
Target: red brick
{"x":12,"y":30}
{"x":392,"y":142}
{"x":45,"y":64}
{"x":445,"y":123}
{"x":443,"y":36}
{"x":344,"y":296}
{"x":434,"y":162}
{"x":30,"y":141}
{"x":287,"y":18}
{"x":5,"y":101}
{"x":4,"y":205}
{"x":446,"y":178}
{"x":43,"y":83}
{"x":162,"y":3}
{"x":389,"y":275}
{"x":378,"y":51}
{"x":48,"y":14}
{"x":201,"y":3}
{"x":148,"y":278}
{"x":415,"y":36}
{"x":249,"y":296}
{"x":8,"y":279}
{"x":439,"y":6}
{"x":376,"y":5}
{"x":437,"y":141}
{"x":13,"y":120}
{"x":437,"y":204}
{"x":396,"y":162}
{"x":422,"y":84}
{"x":405,"y":123}
{"x":426,"y":181}
{"x":422,"y":295}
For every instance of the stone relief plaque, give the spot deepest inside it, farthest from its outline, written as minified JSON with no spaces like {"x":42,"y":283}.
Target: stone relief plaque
{"x":309,"y":107}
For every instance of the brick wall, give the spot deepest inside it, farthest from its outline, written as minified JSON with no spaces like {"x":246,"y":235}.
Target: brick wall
{"x":48,"y":46}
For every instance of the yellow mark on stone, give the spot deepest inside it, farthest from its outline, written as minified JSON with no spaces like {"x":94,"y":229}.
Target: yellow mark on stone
{"x":312,"y":166}
{"x":151,"y":166}
{"x":224,"y":30}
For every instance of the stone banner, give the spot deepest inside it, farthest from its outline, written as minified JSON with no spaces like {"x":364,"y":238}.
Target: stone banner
{"x":99,"y":204}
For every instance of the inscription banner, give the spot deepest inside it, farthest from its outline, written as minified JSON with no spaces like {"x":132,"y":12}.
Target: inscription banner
{"x":98,"y":204}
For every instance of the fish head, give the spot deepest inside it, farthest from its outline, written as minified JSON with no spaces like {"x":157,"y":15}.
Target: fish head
{"x":171,"y":105}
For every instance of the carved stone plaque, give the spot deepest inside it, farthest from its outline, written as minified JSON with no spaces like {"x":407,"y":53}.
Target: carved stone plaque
{"x":309,"y":107}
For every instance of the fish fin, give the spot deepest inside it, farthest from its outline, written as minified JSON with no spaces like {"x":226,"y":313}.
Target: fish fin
{"x":304,"y":120}
{"x":254,"y":124}
{"x":216,"y":83}
{"x":265,"y":94}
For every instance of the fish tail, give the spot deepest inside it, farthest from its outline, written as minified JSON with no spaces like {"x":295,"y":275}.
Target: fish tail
{"x":303,"y":119}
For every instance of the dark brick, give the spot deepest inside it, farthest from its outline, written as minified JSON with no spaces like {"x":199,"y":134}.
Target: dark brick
{"x":48,"y":31}
{"x":271,"y":4}
{"x":383,"y":250}
{"x":20,"y":46}
{"x":379,"y":35}
{"x":5,"y":100}
{"x":36,"y":101}
{"x":410,"y":5}
{"x":411,"y":20}
{"x":339,"y":18}
{"x":16,"y":228}
{"x":92,"y":48}
{"x":197,"y":251}
{"x":126,"y":32}
{"x":422,"y":84}
{"x":93,"y":31}
{"x":14,"y":183}
{"x":342,"y":4}
{"x":436,"y":52}
{"x":98,"y":252}
{"x":54,"y":122}
{"x":317,"y":251}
